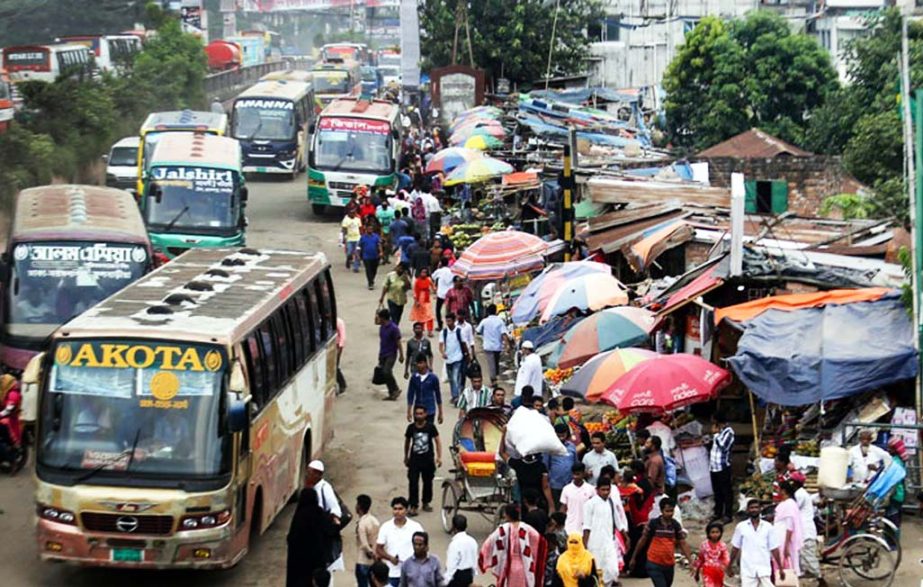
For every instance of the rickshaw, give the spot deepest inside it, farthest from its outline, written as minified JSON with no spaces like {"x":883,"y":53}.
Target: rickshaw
{"x":479,"y":483}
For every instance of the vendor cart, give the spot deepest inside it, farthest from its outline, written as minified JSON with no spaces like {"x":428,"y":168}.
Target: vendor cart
{"x":480,"y":483}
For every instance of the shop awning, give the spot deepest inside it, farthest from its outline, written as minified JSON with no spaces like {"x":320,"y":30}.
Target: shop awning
{"x":749,"y":310}
{"x":711,"y":278}
{"x":804,"y":356}
{"x":655,"y":241}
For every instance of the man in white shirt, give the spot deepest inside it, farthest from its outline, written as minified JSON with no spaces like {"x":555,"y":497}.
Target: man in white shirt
{"x":603,"y":516}
{"x":461,"y":559}
{"x":573,"y":496}
{"x":443,"y":278}
{"x":757,"y":545}
{"x":810,"y":567}
{"x":326,"y":499}
{"x":599,"y":457}
{"x":433,"y":212}
{"x":494,"y":339}
{"x":454,"y":350}
{"x":530,"y":370}
{"x":395,"y":539}
{"x":866,"y":459}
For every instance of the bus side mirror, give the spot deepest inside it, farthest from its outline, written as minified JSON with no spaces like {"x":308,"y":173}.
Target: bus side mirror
{"x":244,"y":195}
{"x":156,"y":192}
{"x":395,"y":135}
{"x":311,"y":128}
{"x":238,"y":413}
{"x":4,"y":269}
{"x":31,"y":377}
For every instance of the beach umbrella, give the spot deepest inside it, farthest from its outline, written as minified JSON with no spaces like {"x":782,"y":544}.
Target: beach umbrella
{"x":611,"y":328}
{"x":587,"y":292}
{"x":532,"y":301}
{"x":483,"y":143}
{"x":666,"y":383}
{"x":478,"y":170}
{"x":501,"y":254}
{"x":448,"y":159}
{"x":463,"y":134}
{"x":596,"y":375}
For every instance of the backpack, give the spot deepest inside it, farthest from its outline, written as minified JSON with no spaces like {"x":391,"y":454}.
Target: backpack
{"x":669,"y":470}
{"x":461,"y":343}
{"x":346,"y":516}
{"x":418,"y":210}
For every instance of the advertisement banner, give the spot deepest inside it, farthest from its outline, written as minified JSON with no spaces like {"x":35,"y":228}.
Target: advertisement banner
{"x":354,"y":125}
{"x":410,"y":45}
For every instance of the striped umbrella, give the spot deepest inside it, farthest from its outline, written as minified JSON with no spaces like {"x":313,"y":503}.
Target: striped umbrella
{"x":532,"y":301}
{"x":501,"y":254}
{"x":483,"y":143}
{"x":448,"y":159}
{"x":598,"y":374}
{"x":587,"y":292}
{"x":620,"y":327}
{"x":478,"y":170}
{"x":463,"y":134}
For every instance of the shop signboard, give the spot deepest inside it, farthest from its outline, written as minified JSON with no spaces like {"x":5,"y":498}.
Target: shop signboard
{"x":456,"y":88}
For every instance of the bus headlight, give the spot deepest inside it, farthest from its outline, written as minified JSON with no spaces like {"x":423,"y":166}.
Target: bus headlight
{"x":204,"y":521}
{"x":53,"y":514}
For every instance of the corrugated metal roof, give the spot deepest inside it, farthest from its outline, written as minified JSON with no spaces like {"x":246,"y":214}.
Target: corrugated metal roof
{"x":81,"y":211}
{"x":754,"y":144}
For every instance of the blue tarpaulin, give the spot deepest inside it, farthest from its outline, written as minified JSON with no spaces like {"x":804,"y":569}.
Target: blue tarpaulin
{"x":801,"y":357}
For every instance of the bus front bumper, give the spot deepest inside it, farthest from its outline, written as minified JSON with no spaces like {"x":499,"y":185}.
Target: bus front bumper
{"x":269,"y":166}
{"x":201,"y":549}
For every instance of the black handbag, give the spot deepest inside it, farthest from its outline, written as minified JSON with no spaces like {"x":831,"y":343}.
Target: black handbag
{"x":378,"y":376}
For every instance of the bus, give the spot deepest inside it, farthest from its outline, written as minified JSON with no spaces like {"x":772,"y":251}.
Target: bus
{"x":355,"y":52}
{"x":354,"y":142}
{"x":112,"y":53}
{"x":177,"y":418}
{"x":159,"y":124}
{"x":271,"y":119}
{"x":290,"y":75}
{"x":196,"y":195}
{"x":69,"y":246}
{"x":7,"y":107}
{"x":46,"y":63}
{"x":333,"y":81}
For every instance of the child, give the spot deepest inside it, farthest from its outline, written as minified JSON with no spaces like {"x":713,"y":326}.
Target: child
{"x":713,"y":557}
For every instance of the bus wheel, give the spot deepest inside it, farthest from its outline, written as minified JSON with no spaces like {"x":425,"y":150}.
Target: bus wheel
{"x":318,"y":209}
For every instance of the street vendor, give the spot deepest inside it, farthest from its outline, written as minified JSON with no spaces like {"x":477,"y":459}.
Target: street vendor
{"x":866,"y":459}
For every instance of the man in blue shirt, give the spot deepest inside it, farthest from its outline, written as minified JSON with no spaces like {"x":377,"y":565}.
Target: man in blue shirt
{"x":492,"y":329}
{"x":370,"y":252}
{"x":389,"y":350}
{"x":560,"y":466}
{"x":423,"y":390}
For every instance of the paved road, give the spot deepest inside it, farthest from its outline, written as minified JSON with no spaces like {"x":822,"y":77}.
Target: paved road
{"x":364,"y":457}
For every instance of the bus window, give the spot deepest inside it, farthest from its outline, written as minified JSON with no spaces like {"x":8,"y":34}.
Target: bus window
{"x":302,"y":303}
{"x":270,"y":360}
{"x":296,"y":335}
{"x":328,"y":320}
{"x":255,"y":370}
{"x":330,"y":297}
{"x":283,"y":347}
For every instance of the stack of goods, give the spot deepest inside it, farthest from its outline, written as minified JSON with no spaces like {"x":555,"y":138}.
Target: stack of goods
{"x":758,"y":486}
{"x":462,"y":235}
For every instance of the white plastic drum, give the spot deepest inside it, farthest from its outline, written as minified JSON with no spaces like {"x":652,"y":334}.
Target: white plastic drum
{"x":834,"y":461}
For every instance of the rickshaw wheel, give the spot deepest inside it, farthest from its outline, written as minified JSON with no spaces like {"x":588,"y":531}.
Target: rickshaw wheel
{"x":450,"y":499}
{"x":867,"y":562}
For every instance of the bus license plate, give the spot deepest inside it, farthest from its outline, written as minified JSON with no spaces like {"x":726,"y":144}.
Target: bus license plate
{"x":127,"y":555}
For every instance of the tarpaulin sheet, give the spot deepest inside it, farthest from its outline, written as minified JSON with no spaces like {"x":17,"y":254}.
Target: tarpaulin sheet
{"x":801,"y":357}
{"x":551,"y":331}
{"x":748,"y":310}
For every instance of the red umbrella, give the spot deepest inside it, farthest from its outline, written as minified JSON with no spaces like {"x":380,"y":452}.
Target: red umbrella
{"x":666,"y":383}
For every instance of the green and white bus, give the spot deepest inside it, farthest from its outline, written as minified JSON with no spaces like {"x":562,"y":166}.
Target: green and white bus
{"x":354,"y":142}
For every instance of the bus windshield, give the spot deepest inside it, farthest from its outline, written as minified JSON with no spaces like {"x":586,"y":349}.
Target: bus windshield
{"x":53,"y":281}
{"x":132,"y":407}
{"x":193,"y":199}
{"x":331,"y":82}
{"x":264,"y":119}
{"x":354,"y":144}
{"x":123,"y":157}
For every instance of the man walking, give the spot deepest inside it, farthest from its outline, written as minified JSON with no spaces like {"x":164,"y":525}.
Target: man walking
{"x":654,"y":465}
{"x":603,"y":516}
{"x":418,"y":345}
{"x":422,"y":456}
{"x":351,"y":230}
{"x":530,"y":370}
{"x":385,"y":216}
{"x":475,"y":396}
{"x":444,"y":279}
{"x":454,"y":350}
{"x":494,"y":339}
{"x":459,"y":297}
{"x":395,"y":540}
{"x":389,"y":350}
{"x":573,"y":497}
{"x":461,"y":559}
{"x":366,"y":534}
{"x":423,"y":391}
{"x":423,"y":569}
{"x":370,"y":251}
{"x":395,"y":288}
{"x":756,"y":545}
{"x":719,"y":465}
{"x":560,"y":467}
{"x":328,"y":501}
{"x":598,"y":457}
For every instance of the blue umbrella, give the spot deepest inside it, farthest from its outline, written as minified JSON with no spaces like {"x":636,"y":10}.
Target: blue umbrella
{"x":532,"y":301}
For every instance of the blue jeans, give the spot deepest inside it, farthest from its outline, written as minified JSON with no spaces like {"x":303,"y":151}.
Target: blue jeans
{"x":394,"y":581}
{"x":362,"y":575}
{"x":351,"y":257}
{"x":456,"y":374}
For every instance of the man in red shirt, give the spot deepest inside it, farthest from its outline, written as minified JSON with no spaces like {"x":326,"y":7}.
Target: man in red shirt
{"x":459,"y":298}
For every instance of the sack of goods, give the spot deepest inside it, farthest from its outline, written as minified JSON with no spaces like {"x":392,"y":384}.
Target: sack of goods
{"x":529,"y":432}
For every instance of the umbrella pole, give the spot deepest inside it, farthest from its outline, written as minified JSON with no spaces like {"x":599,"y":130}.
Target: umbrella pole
{"x":756,"y":433}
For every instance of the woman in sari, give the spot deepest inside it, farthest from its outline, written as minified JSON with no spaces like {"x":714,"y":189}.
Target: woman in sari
{"x":576,"y":567}
{"x":422,"y":311}
{"x":514,"y":553}
{"x":787,"y":524}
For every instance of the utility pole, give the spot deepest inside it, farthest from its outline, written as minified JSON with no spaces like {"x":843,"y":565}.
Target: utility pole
{"x":567,"y":208}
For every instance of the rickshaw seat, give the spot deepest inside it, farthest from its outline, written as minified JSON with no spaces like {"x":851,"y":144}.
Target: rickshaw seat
{"x":479,"y":464}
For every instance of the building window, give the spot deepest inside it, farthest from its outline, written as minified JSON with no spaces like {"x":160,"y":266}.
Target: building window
{"x":766,"y":197}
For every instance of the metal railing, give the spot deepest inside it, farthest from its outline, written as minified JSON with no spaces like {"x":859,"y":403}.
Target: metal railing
{"x":225,"y":83}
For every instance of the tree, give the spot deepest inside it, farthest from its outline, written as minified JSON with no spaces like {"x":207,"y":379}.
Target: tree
{"x":171,"y":70}
{"x":510,"y":38}
{"x":40,"y":21}
{"x":754,"y":72}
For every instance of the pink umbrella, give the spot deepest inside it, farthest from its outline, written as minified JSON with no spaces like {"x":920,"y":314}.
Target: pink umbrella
{"x":666,"y":383}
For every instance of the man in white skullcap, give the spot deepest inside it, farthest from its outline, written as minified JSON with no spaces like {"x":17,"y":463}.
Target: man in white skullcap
{"x":866,"y":459}
{"x":327,"y":499}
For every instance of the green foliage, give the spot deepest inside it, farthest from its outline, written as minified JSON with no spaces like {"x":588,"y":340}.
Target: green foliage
{"x":905,"y":258}
{"x":509,"y":39}
{"x":171,"y":70}
{"x":40,"y":21}
{"x":754,"y":72}
{"x":849,"y":206}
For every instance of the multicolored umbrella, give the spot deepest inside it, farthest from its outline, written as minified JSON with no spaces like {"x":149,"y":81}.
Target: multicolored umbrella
{"x":532,"y":301}
{"x":501,"y":254}
{"x":597,"y":375}
{"x":478,"y":170}
{"x":448,"y":159}
{"x":587,"y":292}
{"x":666,"y":383}
{"x":463,"y":134}
{"x":483,"y":143}
{"x":612,"y":328}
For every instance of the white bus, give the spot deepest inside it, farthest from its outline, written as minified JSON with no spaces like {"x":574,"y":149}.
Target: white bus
{"x":113,"y":53}
{"x":47,"y":62}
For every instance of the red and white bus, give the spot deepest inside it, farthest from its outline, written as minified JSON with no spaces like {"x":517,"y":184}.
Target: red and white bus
{"x":113,"y":53}
{"x":47,"y":62}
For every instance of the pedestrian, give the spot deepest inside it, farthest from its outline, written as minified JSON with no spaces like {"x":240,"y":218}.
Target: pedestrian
{"x":321,"y":578}
{"x":422,"y":310}
{"x":787,"y":525}
{"x":419,"y":256}
{"x":418,"y":345}
{"x":756,"y":545}
{"x":444,"y":279}
{"x":560,"y":467}
{"x":573,"y":497}
{"x":598,"y":457}
{"x":531,"y":475}
{"x":556,"y":541}
{"x":654,"y":465}
{"x":422,"y":456}
{"x":453,"y":350}
{"x":498,"y":402}
{"x":378,"y":574}
{"x":385,"y":215}
{"x":471,"y":364}
{"x":494,"y":340}
{"x":394,"y":290}
{"x":326,"y":494}
{"x":395,"y":539}
{"x":661,"y":537}
{"x":530,"y":370}
{"x":367,"y":209}
{"x":711,"y":562}
{"x":898,"y":452}
{"x":461,"y":559}
{"x":579,"y":435}
{"x":396,"y":229}
{"x":866,"y":459}
{"x":577,"y":567}
{"x":423,"y":391}
{"x":217,"y":107}
{"x":389,"y":350}
{"x":422,"y":569}
{"x":370,"y":251}
{"x":477,"y":395}
{"x":308,"y":540}
{"x":524,"y":399}
{"x":603,"y":517}
{"x":534,"y":515}
{"x":719,"y":465}
{"x":341,"y":345}
{"x":351,"y":230}
{"x":514,"y":553}
{"x":459,"y":297}
{"x":366,"y":534}
{"x":418,"y":213}
{"x":810,"y":566}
